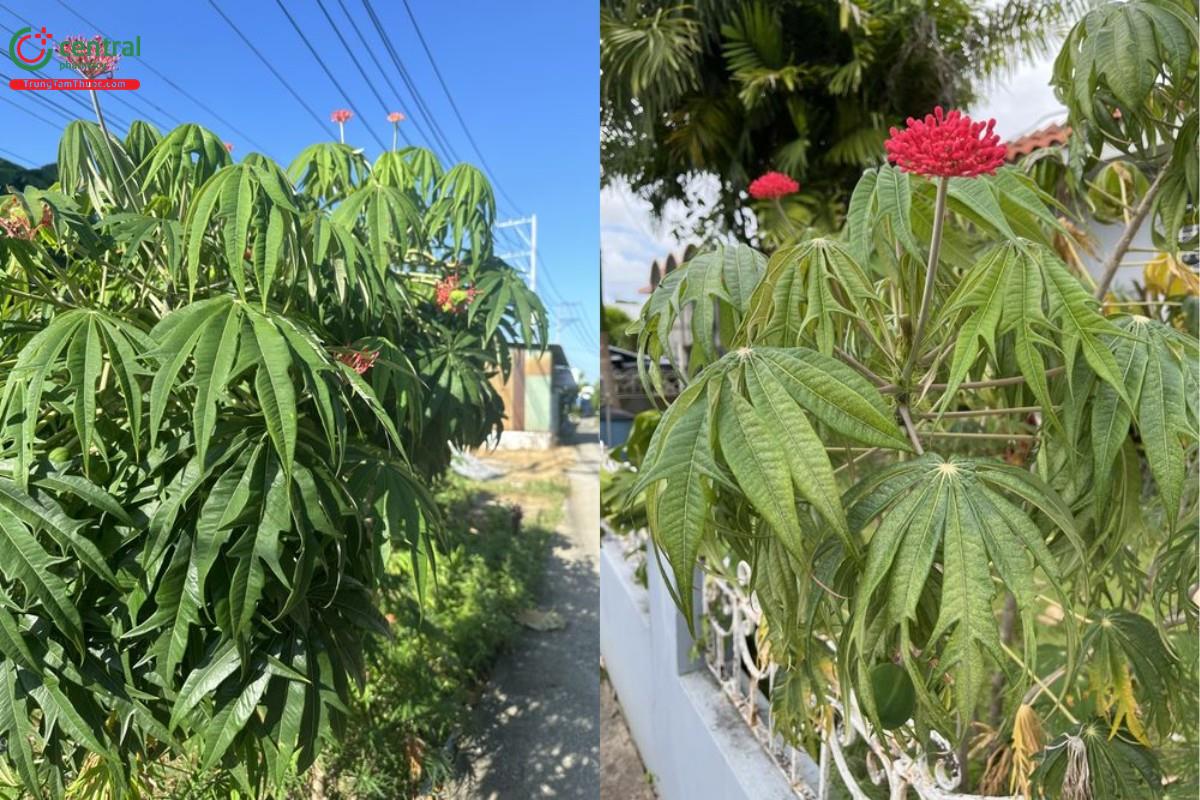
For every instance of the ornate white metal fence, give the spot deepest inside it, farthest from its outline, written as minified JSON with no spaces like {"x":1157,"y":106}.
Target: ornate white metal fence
{"x":730,"y":617}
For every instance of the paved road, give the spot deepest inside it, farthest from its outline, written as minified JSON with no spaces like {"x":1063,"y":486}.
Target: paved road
{"x":538,"y":719}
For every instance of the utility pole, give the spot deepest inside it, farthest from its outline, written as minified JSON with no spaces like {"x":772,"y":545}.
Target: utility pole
{"x":530,"y":241}
{"x":560,"y":319}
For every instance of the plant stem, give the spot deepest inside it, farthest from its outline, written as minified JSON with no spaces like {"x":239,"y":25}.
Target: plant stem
{"x":786,"y":219}
{"x":108,"y":144}
{"x":935,"y":244}
{"x":1139,"y":216}
{"x":1020,"y":437}
{"x":862,"y":368}
{"x":912,"y":430}
{"x":979,"y":412}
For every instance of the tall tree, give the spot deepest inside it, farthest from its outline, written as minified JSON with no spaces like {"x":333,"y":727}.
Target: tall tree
{"x":734,"y":88}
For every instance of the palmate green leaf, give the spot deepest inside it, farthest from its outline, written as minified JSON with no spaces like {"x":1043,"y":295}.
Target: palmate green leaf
{"x":24,"y":560}
{"x":328,"y":171}
{"x":835,"y":394}
{"x":78,"y":342}
{"x":204,"y":680}
{"x":765,"y":443}
{"x":1022,"y":289}
{"x":1161,"y":415}
{"x":387,"y":215}
{"x":809,"y":293}
{"x":759,"y":466}
{"x":17,"y":726}
{"x":942,"y":512}
{"x":44,"y":514}
{"x":808,"y":463}
{"x":273,"y":384}
{"x":231,"y":718}
{"x":716,"y":286}
{"x":679,"y":483}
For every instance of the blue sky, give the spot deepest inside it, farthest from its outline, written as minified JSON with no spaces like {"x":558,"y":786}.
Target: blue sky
{"x":525,"y":78}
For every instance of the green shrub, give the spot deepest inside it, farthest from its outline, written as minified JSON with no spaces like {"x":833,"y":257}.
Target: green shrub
{"x":224,"y":388}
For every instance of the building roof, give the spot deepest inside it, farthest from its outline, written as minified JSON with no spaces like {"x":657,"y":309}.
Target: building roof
{"x":671,"y":264}
{"x":1052,"y":135}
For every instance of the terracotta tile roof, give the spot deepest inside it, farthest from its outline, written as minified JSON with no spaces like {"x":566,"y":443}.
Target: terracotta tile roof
{"x":1050,"y":136}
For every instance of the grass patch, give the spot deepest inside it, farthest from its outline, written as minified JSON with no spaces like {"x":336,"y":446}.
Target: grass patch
{"x":420,"y":688}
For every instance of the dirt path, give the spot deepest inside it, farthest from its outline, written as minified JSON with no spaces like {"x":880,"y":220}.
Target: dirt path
{"x":537,"y":721}
{"x":622,"y":774}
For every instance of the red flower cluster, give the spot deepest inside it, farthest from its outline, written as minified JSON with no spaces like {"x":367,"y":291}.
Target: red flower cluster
{"x":94,"y":60}
{"x":451,"y":298}
{"x":359,"y":360}
{"x":341,"y":116}
{"x":16,"y":226}
{"x":772,"y":186}
{"x":946,"y":145}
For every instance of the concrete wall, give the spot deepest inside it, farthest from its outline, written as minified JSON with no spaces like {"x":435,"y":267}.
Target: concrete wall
{"x":1105,"y":240}
{"x":689,"y":735}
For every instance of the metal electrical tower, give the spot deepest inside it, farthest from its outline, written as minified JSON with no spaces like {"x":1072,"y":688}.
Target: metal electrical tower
{"x":530,"y":239}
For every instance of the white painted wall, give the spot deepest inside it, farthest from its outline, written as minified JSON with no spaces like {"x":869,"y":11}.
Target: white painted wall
{"x":689,"y":735}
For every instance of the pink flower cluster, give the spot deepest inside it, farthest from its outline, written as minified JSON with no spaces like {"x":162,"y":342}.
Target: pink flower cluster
{"x":772,"y":186}
{"x":946,"y":145}
{"x":396,"y":116}
{"x":341,"y":116}
{"x":452,"y":298}
{"x":359,"y":360}
{"x":93,"y":61}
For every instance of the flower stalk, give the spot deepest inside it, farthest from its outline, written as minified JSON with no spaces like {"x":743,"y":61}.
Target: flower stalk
{"x":939,"y":215}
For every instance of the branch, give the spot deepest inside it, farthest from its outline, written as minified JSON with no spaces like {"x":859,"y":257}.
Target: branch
{"x":1020,"y":437}
{"x":911,"y":430}
{"x":1118,"y":253}
{"x":979,"y":412}
{"x":862,"y":368}
{"x":892,"y":388}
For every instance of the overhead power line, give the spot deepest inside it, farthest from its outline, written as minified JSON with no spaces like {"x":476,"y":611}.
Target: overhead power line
{"x":27,"y":112}
{"x":350,"y":52}
{"x":411,"y":118}
{"x":325,"y":126}
{"x":329,"y":73}
{"x":408,"y":81}
{"x":453,"y":105}
{"x":20,"y":160}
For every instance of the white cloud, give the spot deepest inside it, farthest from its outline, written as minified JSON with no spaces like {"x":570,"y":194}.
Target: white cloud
{"x":1023,"y":101}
